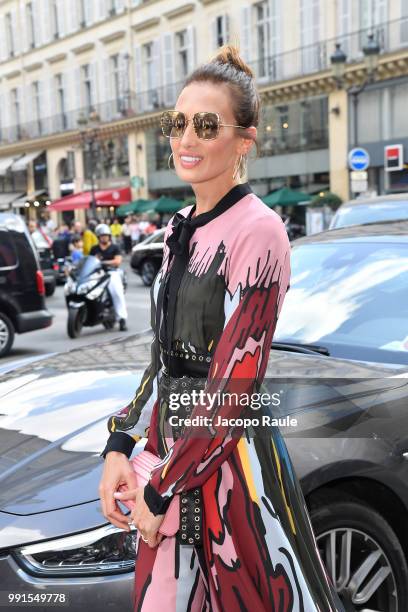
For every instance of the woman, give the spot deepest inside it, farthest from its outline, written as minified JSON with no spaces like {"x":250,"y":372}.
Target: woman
{"x":245,"y":540}
{"x":116,"y":229}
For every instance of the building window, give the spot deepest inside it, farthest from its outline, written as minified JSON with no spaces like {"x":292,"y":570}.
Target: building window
{"x":36,"y":106}
{"x":263,"y":36}
{"x":112,"y":7}
{"x":59,"y":82}
{"x":9,"y":34}
{"x":15,"y":108}
{"x":404,"y":22}
{"x":150,"y":75}
{"x":182,"y":54}
{"x":313,"y":55}
{"x":30,"y":25}
{"x":87,"y":87}
{"x":109,"y":159}
{"x":54,"y":19}
{"x":221,"y":30}
{"x":81,"y":13}
{"x":373,"y":17}
{"x":115,"y":72}
{"x":148,"y":51}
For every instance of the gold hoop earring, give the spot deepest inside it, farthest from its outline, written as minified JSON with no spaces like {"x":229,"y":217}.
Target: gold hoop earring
{"x":168,"y":162}
{"x":238,"y":167}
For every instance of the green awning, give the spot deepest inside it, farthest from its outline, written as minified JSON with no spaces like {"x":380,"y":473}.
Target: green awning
{"x":145,"y":206}
{"x":167,"y":205}
{"x":134,"y":207}
{"x":286,"y":197}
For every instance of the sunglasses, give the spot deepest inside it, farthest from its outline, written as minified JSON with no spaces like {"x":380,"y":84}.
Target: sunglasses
{"x":206,"y":125}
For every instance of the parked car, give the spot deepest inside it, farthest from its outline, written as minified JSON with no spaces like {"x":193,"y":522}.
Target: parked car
{"x":48,"y":263}
{"x":349,"y":450}
{"x":147,"y":256}
{"x":348,"y":293}
{"x":371,"y":210}
{"x":22,"y":290}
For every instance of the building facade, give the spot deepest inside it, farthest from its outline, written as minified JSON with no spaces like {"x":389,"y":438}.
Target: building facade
{"x":82,"y":84}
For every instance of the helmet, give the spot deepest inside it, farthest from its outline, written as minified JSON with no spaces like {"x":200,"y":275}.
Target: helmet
{"x":103,"y":229}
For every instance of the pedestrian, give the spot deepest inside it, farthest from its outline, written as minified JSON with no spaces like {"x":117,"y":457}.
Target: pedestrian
{"x":135,"y":230}
{"x":77,"y":247}
{"x":143,"y":225}
{"x":89,"y":237}
{"x":245,"y":540}
{"x":116,"y":229}
{"x":77,"y":228}
{"x":152,"y":227}
{"x":39,"y":236}
{"x":127,"y":235}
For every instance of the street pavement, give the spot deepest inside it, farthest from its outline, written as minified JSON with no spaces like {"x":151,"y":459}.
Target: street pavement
{"x":55,"y":338}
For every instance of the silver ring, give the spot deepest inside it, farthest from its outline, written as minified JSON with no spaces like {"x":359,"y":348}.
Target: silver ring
{"x":143,"y":538}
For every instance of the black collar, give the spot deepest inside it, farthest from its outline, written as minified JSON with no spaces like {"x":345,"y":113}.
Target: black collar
{"x":183,"y":227}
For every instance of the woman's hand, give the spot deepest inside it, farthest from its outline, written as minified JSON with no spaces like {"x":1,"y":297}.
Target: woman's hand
{"x":147,"y":524}
{"x":116,"y":471}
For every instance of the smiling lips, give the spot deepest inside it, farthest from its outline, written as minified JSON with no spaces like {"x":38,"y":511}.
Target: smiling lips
{"x":189,"y":161}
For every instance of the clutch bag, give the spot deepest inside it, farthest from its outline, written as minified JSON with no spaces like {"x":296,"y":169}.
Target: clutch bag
{"x":142,"y":465}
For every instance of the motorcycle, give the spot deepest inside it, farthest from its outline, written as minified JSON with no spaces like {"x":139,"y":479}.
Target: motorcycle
{"x":87,"y":296}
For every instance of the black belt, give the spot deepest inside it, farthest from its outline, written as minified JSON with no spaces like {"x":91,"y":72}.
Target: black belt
{"x":187,"y":363}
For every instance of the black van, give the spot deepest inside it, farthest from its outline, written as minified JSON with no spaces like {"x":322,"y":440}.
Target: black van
{"x":22,"y":288}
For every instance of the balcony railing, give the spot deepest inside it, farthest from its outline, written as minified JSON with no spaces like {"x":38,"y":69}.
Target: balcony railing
{"x":304,"y":60}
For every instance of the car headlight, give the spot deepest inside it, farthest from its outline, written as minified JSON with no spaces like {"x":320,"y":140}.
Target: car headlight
{"x":106,"y":550}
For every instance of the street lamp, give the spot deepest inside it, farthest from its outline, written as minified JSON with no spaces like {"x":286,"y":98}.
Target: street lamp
{"x":338,"y":62}
{"x":371,"y":52}
{"x":89,"y":142}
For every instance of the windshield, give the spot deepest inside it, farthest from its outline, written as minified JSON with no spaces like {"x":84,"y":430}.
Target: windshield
{"x":370,"y":213}
{"x":85,"y":267}
{"x":349,"y":297}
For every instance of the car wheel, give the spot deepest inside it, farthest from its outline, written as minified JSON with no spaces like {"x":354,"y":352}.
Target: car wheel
{"x":49,"y":289}
{"x":6,"y":334}
{"x":148,"y":272}
{"x":76,"y":318}
{"x":363,"y":556}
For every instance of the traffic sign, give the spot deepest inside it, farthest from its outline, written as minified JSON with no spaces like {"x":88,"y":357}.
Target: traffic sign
{"x":359,"y":175}
{"x":358,"y":159}
{"x":393,"y":157}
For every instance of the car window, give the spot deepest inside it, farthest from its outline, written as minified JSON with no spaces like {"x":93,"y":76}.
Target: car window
{"x":351,"y":298}
{"x":8,"y":255}
{"x":158,"y":238}
{"x":370,"y":213}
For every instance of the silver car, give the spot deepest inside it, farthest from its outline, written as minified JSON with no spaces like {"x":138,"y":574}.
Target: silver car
{"x":371,"y":210}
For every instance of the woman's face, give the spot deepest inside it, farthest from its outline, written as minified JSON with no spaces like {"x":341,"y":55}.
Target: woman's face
{"x":219,"y":155}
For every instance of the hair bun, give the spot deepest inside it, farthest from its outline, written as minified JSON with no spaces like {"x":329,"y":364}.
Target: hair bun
{"x":229,"y":54}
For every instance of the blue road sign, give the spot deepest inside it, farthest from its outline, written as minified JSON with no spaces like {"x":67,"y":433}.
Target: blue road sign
{"x":358,"y":159}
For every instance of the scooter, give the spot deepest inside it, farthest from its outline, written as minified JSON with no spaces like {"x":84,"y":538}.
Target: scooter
{"x":87,"y":297}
